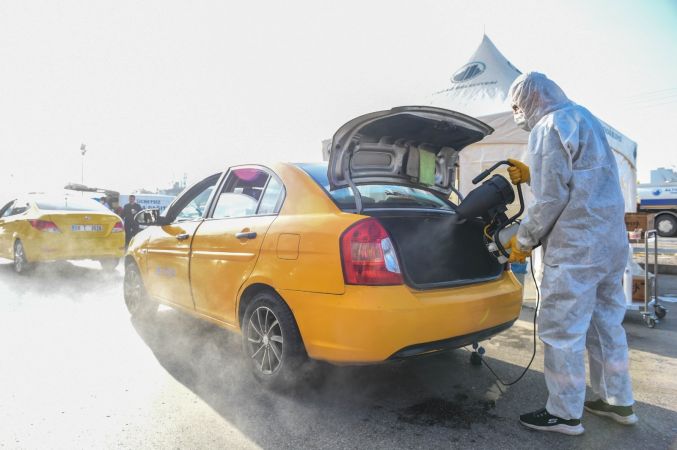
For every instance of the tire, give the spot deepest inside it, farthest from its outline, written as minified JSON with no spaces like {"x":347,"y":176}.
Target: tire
{"x":137,"y":300}
{"x":271,"y":341}
{"x":109,"y":264}
{"x":666,"y":225}
{"x":20,"y":261}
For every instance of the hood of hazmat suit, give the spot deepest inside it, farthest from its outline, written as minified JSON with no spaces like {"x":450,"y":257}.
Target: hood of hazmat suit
{"x":577,"y":215}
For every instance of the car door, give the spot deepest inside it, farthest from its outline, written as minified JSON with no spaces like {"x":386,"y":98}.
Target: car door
{"x":227,"y":244}
{"x":6,"y":250}
{"x":168,"y":247}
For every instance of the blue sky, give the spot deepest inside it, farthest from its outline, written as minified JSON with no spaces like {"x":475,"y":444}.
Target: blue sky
{"x":159,"y":88}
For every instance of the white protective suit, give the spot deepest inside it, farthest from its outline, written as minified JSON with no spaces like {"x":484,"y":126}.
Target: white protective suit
{"x":577,"y":215}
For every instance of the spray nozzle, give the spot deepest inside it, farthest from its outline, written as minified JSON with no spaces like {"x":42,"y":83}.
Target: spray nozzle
{"x":482,"y":175}
{"x":490,"y":201}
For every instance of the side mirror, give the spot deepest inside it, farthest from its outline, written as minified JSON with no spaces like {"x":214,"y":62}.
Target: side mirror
{"x":147,"y":217}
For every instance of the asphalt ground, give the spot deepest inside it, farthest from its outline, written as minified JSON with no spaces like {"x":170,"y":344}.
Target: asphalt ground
{"x":76,"y":372}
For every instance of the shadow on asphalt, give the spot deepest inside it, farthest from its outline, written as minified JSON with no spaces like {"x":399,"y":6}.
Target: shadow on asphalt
{"x":438,"y":401}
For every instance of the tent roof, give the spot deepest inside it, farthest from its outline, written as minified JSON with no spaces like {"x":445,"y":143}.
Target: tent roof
{"x":480,"y":88}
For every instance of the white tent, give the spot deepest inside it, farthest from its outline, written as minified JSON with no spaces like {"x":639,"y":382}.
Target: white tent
{"x":480,"y":88}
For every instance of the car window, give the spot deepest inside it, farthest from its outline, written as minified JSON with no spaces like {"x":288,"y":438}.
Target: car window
{"x":232,"y":204}
{"x":377,"y":195}
{"x":192,"y":203}
{"x":19,"y":209}
{"x":69,"y":203}
{"x":196,"y":206}
{"x":271,"y":197}
{"x":241,"y":193}
{"x":19,"y":206}
{"x":6,"y":210}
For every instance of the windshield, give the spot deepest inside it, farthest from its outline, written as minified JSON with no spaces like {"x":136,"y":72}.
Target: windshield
{"x":68,"y":203}
{"x":377,"y":196}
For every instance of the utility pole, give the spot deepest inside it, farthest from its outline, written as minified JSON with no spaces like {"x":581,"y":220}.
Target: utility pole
{"x":83,"y":150}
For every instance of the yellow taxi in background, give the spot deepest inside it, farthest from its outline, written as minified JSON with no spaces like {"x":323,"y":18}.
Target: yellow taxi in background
{"x":360,"y":260}
{"x":39,"y":228}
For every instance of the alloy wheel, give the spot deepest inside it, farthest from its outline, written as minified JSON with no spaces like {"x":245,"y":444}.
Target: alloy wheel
{"x":20,"y":262}
{"x":134,"y":291}
{"x":264,"y":340}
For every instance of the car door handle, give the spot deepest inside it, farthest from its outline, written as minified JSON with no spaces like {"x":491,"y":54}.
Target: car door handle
{"x":246,"y":235}
{"x":182,"y":237}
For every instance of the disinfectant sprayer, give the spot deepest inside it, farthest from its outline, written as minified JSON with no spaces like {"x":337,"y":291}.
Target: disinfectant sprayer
{"x":490,"y":202}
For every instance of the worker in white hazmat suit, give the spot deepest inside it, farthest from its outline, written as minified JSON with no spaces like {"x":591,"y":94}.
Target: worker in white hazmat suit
{"x":577,"y":215}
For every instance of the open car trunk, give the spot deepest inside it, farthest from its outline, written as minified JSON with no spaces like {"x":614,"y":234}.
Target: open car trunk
{"x":407,"y":145}
{"x":414,"y":147}
{"x":436,"y":251}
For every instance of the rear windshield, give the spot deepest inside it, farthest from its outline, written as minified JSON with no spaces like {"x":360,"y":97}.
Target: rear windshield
{"x":377,"y":196}
{"x":68,"y":203}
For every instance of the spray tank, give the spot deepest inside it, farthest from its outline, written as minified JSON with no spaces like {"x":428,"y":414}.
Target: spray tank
{"x":490,"y":202}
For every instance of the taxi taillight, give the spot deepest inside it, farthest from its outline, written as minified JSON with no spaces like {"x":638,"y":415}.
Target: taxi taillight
{"x":44,"y":225}
{"x":118,"y":227}
{"x":368,"y":255}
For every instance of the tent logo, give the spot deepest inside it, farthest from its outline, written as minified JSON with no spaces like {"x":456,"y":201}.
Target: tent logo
{"x":468,"y":72}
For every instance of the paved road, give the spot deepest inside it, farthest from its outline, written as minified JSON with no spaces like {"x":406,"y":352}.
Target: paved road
{"x":77,"y":373}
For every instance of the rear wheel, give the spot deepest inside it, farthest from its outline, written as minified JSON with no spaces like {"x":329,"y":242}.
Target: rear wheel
{"x":666,"y":225}
{"x":109,"y":264}
{"x":271,"y":340}
{"x":21,"y":264}
{"x":137,"y":300}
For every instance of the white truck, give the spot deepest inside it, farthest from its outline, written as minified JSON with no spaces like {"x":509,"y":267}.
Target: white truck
{"x":148,"y":201}
{"x":116,"y":200}
{"x":660,"y":199}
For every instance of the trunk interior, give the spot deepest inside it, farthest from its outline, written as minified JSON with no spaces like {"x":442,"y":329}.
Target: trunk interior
{"x":435,"y":251}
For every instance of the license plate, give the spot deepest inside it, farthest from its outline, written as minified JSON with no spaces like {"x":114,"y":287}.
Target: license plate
{"x":86,"y":228}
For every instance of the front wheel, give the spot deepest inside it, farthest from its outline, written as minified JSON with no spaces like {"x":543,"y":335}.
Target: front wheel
{"x":137,"y":299}
{"x":21,"y":264}
{"x":271,"y":340}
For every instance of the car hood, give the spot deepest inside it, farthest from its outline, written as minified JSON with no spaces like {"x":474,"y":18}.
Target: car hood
{"x":407,"y":145}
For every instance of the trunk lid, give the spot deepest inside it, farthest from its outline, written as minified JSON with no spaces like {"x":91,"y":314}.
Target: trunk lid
{"x":82,"y":225}
{"x":409,"y":145}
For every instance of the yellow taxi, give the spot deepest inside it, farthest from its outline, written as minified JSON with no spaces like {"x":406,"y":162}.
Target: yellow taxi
{"x":359,"y":260}
{"x":38,"y":228}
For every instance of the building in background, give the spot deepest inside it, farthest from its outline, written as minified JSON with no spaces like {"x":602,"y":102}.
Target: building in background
{"x":663,"y":175}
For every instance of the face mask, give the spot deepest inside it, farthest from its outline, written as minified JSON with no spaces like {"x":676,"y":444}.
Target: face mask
{"x":521,"y":121}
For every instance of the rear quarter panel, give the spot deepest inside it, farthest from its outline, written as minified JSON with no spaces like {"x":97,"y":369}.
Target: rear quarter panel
{"x":301,"y":249}
{"x":20,"y":229}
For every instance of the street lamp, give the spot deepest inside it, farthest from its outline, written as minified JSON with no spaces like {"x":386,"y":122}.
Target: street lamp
{"x":83,"y":150}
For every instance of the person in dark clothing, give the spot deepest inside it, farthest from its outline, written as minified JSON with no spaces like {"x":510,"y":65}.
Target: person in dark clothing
{"x":128,"y":212}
